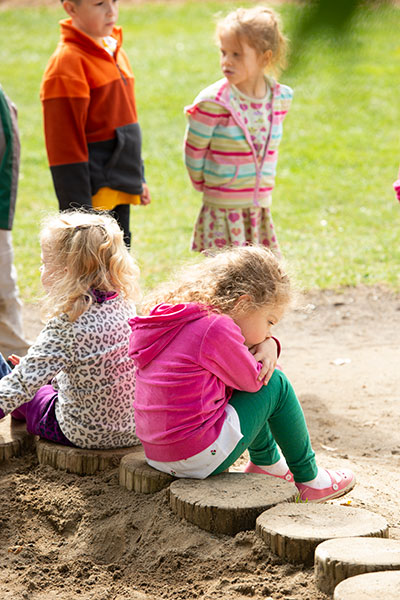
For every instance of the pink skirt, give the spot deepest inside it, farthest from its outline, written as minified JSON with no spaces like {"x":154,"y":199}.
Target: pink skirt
{"x":217,"y":228}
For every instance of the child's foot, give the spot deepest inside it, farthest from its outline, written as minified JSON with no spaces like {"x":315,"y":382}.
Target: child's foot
{"x":252,"y":468}
{"x":341,"y":482}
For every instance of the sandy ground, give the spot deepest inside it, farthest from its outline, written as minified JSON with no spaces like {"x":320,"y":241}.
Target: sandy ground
{"x":68,"y":537}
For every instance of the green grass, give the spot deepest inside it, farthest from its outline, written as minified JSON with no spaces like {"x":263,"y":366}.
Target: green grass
{"x":334,"y":208}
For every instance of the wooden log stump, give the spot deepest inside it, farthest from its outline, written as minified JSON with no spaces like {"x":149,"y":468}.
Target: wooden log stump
{"x":338,"y":559}
{"x":293,"y":531}
{"x":229,"y":502}
{"x":136,"y":475}
{"x":14,"y":439}
{"x":384,"y":585}
{"x":79,"y":460}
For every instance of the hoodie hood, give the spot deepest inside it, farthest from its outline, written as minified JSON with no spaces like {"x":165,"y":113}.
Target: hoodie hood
{"x":152,"y":333}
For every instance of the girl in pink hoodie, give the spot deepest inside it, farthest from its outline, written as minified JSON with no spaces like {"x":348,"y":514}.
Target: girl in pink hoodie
{"x":206,"y":384}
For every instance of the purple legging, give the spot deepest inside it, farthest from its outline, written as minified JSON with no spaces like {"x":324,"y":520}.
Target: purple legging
{"x":40,"y":416}
{"x":39,"y":413}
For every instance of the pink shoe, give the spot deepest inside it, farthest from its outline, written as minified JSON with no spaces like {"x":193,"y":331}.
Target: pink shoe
{"x":252,"y":468}
{"x":342,"y":482}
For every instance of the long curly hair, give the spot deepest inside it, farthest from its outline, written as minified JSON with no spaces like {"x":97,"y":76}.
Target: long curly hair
{"x":87,"y":252}
{"x":220,"y":280}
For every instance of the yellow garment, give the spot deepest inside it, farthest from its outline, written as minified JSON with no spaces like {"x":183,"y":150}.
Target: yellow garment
{"x":107,"y":199}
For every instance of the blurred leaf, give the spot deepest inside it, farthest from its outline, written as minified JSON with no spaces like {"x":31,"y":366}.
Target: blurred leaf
{"x":335,"y":14}
{"x":320,"y":16}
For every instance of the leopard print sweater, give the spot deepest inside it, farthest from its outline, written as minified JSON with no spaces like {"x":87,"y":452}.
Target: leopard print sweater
{"x":87,"y":362}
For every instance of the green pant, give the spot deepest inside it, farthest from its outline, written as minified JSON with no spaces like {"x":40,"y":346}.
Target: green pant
{"x":269,"y":417}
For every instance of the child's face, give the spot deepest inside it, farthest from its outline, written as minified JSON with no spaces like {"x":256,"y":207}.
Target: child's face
{"x":256,"y":323}
{"x":241,"y":64}
{"x":96,"y":18}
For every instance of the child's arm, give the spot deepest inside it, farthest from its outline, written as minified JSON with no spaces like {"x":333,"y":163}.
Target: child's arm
{"x":266,"y":353}
{"x":224,"y":354}
{"x":203,"y":118}
{"x":64,"y":118}
{"x":53,"y":350}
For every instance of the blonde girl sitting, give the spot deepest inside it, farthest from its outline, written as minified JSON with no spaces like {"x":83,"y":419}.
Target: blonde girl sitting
{"x":206,"y":387}
{"x":76,"y":384}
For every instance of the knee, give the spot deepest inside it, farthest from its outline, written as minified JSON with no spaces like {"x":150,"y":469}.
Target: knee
{"x":278,"y":377}
{"x":280,"y":381}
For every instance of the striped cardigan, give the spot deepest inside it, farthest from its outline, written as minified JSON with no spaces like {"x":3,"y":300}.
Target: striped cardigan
{"x":219,"y":155}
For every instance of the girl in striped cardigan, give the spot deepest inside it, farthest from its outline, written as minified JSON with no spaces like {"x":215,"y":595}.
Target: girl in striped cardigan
{"x":234,"y":130}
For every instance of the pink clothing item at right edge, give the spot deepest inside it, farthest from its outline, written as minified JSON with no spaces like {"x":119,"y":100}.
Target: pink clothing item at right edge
{"x":185,"y":367}
{"x":396,"y":187}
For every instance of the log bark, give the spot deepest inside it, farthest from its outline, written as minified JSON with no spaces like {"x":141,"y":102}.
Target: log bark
{"x":78,"y":460}
{"x":294,"y":531}
{"x":339,"y":559}
{"x":14,"y":439}
{"x":384,"y":585}
{"x":136,"y":475}
{"x":229,"y":502}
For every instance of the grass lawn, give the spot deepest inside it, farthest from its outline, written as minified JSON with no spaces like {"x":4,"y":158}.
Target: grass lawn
{"x":334,"y":208}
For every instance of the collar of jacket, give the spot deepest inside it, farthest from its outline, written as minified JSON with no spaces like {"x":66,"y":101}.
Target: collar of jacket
{"x":220,"y":92}
{"x":225,"y":91}
{"x":72,"y":35}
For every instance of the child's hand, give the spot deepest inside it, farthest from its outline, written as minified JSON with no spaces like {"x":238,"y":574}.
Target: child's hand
{"x":267,"y":354}
{"x":145,"y":197}
{"x":14,"y":359}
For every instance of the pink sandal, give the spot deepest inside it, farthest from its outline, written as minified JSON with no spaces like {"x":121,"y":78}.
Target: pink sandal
{"x":342,"y":482}
{"x":252,"y":468}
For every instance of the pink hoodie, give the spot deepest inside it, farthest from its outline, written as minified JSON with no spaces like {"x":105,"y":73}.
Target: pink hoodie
{"x":188,"y":362}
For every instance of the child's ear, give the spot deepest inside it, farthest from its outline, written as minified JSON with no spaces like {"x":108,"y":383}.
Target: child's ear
{"x":267,"y":58}
{"x":70,"y":8}
{"x":243,"y":303}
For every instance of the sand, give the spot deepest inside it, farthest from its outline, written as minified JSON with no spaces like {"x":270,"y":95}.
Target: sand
{"x":65,"y":536}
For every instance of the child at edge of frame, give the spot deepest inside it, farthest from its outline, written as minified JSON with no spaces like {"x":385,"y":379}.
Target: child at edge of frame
{"x":91,"y":283}
{"x":234,"y":131}
{"x":91,"y":128}
{"x":396,"y":187}
{"x":12,"y":338}
{"x":206,"y":384}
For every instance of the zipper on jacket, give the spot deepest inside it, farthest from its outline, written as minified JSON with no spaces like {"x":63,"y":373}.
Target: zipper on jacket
{"x":114,"y":60}
{"x":121,"y":73}
{"x":242,"y":125}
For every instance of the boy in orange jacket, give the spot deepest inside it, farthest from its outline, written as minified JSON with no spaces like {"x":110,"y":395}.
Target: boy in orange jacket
{"x":92,"y":134}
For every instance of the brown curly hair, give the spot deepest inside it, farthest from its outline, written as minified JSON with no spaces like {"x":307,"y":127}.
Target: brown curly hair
{"x":220,"y":280}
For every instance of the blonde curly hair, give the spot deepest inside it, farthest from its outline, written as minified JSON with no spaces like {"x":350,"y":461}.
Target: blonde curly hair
{"x":220,"y":280}
{"x":87,"y":252}
{"x":260,"y":27}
